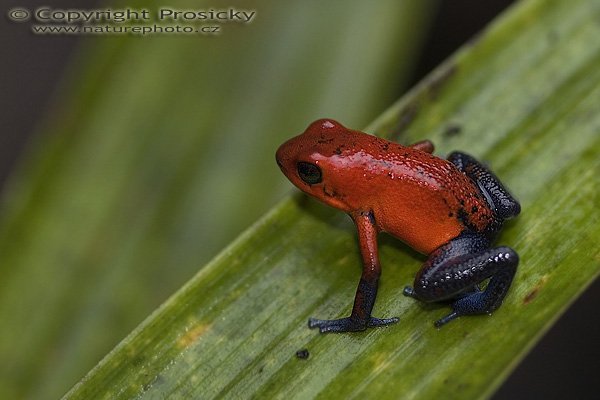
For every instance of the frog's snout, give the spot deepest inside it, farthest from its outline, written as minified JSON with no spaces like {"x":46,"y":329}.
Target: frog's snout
{"x":286,"y":155}
{"x":279,"y":158}
{"x":280,"y":164}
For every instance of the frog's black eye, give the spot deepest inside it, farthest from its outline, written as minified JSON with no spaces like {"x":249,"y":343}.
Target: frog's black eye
{"x":309,"y":173}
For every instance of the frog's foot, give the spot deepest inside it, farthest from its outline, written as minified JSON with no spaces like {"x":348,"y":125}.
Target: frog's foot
{"x":348,"y":324}
{"x":472,"y":303}
{"x":410,"y":292}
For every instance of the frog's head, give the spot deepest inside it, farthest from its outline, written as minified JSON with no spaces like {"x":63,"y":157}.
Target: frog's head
{"x":311,"y":161}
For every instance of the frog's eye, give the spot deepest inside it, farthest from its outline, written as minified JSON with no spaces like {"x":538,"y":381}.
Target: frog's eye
{"x":309,"y":173}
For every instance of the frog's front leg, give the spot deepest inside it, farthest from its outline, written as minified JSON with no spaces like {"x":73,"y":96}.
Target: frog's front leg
{"x":423,"y":145}
{"x":454,"y":270}
{"x":361,"y":318}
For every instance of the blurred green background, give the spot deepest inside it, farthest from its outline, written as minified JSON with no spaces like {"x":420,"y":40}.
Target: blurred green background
{"x":156,"y":151}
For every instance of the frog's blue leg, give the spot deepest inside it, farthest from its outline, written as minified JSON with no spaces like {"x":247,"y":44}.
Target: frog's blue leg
{"x":454,"y":270}
{"x":500,"y":200}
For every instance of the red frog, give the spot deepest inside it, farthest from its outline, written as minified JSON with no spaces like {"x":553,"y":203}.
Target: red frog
{"x":450,"y":210}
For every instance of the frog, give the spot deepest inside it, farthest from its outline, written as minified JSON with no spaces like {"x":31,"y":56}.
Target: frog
{"x":451,"y":210}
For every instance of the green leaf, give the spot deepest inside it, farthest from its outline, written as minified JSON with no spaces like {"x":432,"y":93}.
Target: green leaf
{"x":158,"y":152}
{"x":523,"y":97}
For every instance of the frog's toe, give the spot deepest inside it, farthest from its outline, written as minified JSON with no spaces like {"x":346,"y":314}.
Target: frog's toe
{"x":443,"y":321}
{"x":337,"y":325}
{"x":373,"y":322}
{"x":348,"y":324}
{"x":409,"y":292}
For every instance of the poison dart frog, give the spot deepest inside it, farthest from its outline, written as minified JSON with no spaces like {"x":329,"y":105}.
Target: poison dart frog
{"x":448,"y":209}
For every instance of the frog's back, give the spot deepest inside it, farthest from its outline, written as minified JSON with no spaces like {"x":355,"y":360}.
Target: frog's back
{"x":420,"y":198}
{"x":428,"y":201}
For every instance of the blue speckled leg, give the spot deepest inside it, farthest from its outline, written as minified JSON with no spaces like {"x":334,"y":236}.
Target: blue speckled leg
{"x":454,"y":270}
{"x":502,"y":202}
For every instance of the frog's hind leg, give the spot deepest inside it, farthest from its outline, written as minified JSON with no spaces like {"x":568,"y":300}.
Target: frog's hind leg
{"x":502,"y":202}
{"x":454,"y":270}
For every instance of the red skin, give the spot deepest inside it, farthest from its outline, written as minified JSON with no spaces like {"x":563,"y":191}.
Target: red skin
{"x":413,"y":195}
